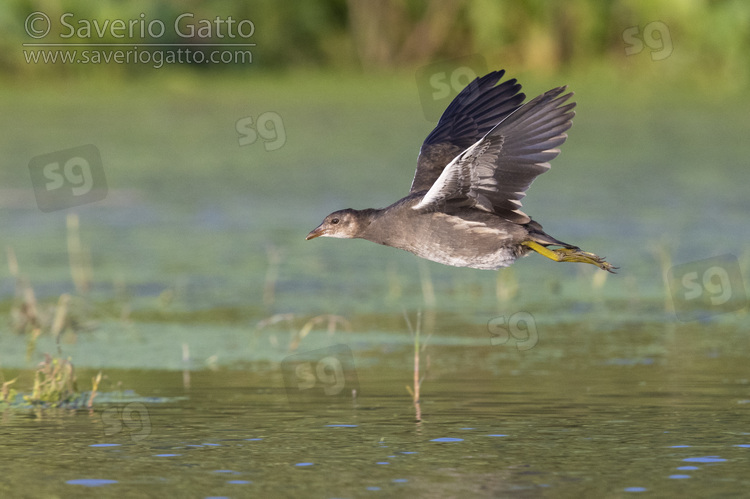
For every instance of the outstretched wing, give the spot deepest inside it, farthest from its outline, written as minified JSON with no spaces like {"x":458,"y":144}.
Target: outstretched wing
{"x":493,"y":173}
{"x":474,"y":112}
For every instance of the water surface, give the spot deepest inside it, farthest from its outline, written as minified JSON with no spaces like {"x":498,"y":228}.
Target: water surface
{"x":546,"y":380}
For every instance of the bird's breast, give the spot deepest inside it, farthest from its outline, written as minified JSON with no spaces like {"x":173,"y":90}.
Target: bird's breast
{"x":452,"y":240}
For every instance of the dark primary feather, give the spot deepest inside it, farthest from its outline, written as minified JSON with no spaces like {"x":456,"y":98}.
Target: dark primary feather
{"x":474,"y":112}
{"x":494,"y":173}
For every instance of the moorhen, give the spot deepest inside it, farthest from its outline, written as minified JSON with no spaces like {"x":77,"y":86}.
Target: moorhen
{"x":464,"y":206}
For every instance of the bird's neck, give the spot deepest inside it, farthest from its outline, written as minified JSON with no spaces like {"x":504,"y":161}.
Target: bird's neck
{"x":365,"y":218}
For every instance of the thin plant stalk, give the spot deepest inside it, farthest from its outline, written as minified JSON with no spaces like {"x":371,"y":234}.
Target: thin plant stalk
{"x":80,"y":258}
{"x":417,"y":380}
{"x":94,"y":389}
{"x":186,"y":366}
{"x":428,"y":290}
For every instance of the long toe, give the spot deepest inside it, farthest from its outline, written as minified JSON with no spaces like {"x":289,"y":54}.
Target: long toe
{"x":577,"y":255}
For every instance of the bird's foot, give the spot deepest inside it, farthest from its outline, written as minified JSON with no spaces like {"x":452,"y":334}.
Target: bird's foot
{"x":571,"y":255}
{"x":578,"y":255}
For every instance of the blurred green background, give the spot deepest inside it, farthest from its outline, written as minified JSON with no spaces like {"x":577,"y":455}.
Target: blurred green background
{"x":706,"y":40}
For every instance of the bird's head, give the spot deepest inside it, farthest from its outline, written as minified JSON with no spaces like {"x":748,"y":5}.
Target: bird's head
{"x":343,"y":223}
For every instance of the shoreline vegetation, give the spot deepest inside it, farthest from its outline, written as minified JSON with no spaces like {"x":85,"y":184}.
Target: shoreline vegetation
{"x":708,"y":38}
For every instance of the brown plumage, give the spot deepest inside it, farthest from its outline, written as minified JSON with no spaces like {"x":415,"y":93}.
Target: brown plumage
{"x":464,"y":206}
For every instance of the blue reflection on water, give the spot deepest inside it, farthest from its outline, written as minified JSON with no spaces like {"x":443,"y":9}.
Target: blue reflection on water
{"x":91,"y":482}
{"x":679,"y":477}
{"x":635,"y":489}
{"x":104,"y":445}
{"x":447,"y":439}
{"x":704,"y":459}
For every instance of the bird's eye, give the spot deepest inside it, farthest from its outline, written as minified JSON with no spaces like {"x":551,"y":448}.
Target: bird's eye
{"x":334,"y":221}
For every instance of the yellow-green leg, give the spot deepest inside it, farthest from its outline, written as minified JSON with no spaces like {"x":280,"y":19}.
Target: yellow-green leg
{"x":570,"y":255}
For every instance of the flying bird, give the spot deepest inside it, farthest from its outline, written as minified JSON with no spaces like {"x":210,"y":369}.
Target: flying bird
{"x":464,"y":205}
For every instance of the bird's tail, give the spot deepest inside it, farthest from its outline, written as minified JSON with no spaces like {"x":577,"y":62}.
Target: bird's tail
{"x":537,"y":234}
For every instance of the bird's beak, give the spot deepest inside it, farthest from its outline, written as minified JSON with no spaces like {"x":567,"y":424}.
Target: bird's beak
{"x":316,"y":232}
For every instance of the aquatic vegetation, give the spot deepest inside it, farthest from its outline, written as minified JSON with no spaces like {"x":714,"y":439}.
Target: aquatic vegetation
{"x":54,"y":382}
{"x":29,"y":316}
{"x":7,"y":394}
{"x":55,"y":385}
{"x":414,"y":390}
{"x":333,"y":323}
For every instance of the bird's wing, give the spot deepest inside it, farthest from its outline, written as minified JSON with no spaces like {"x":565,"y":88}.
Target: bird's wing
{"x":474,"y":112}
{"x":493,"y":173}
